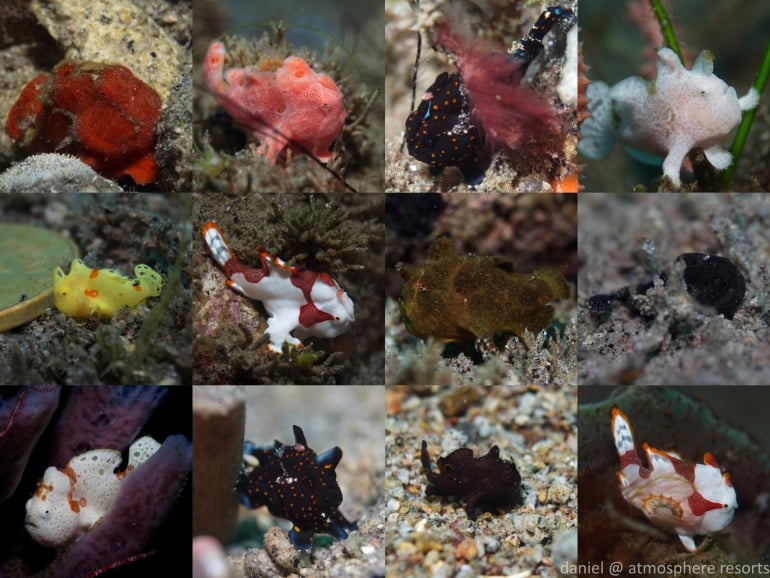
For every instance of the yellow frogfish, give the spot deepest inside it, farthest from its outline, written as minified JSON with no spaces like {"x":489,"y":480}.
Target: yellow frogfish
{"x":85,"y":291}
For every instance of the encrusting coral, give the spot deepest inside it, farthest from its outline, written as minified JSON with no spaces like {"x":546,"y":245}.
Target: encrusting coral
{"x":680,"y":110}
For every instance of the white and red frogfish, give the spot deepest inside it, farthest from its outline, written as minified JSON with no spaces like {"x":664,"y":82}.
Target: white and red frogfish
{"x":298,"y":300}
{"x":679,"y":497}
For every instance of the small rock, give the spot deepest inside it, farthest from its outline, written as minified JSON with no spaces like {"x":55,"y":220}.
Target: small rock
{"x":54,"y":173}
{"x":492,"y":545}
{"x":467,"y":549}
{"x":208,"y":558}
{"x":280,"y":549}
{"x":565,"y":548}
{"x":257,"y":563}
{"x":109,"y":31}
{"x":530,"y":523}
{"x":441,"y":570}
{"x":458,"y":401}
{"x":559,"y":492}
{"x":405,"y":549}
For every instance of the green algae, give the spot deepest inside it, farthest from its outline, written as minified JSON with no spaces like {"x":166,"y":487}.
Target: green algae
{"x":323,"y":233}
{"x":29,"y":256}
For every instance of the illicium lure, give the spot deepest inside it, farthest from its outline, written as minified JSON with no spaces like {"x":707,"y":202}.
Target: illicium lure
{"x":679,"y":497}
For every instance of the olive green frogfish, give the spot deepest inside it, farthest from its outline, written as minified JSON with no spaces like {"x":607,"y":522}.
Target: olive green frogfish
{"x":461,"y":297}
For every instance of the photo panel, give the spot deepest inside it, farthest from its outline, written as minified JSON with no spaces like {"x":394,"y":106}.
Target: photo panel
{"x":289,"y":96}
{"x":481,"y":96}
{"x":309,"y":478}
{"x":665,"y":86}
{"x":95,"y":480}
{"x":288,"y":289}
{"x":95,"y":289}
{"x":671,"y":289}
{"x":669,"y":482}
{"x":480,"y":289}
{"x":96,"y":96}
{"x":480,"y":481}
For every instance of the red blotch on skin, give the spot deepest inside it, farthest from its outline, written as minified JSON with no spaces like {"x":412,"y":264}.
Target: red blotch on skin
{"x":251,"y":274}
{"x":684,"y":469}
{"x":510,"y":115}
{"x":700,"y":505}
{"x":93,"y":293}
{"x":309,"y":314}
{"x":70,"y":473}
{"x":100,"y":113}
{"x":304,"y":280}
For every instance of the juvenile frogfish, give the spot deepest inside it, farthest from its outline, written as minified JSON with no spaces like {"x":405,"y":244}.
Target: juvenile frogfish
{"x":85,"y":291}
{"x":291,"y":108}
{"x":69,"y":502}
{"x":298,"y":300}
{"x":715,"y":281}
{"x":465,"y":116}
{"x":442,"y":133}
{"x":100,"y":113}
{"x":680,"y":110}
{"x":679,"y":497}
{"x":456,"y":298}
{"x":296,"y":484}
{"x":484,"y":481}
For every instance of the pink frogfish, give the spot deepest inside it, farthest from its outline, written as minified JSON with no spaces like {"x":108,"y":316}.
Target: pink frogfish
{"x":293,"y":108}
{"x":678,"y":497}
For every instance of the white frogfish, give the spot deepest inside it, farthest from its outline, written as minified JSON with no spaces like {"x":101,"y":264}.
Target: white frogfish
{"x":678,"y":497}
{"x":71,"y":501}
{"x":667,"y":117}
